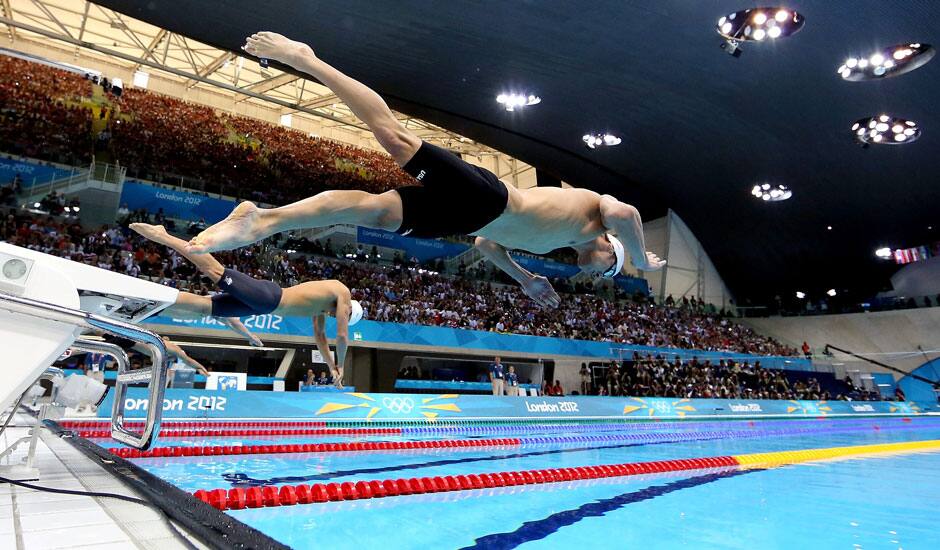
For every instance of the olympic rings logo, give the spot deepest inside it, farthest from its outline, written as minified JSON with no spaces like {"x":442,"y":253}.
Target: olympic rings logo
{"x":398,"y":405}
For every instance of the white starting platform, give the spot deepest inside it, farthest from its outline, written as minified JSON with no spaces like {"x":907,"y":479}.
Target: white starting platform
{"x":46,"y":305}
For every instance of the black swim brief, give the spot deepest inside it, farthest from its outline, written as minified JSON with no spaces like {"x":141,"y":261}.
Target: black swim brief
{"x":455,"y":198}
{"x":243,"y":296}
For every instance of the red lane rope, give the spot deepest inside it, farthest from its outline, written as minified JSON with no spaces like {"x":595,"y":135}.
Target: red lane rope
{"x":289,"y":495}
{"x":125,"y":452}
{"x":101,"y":424}
{"x":98,"y":434}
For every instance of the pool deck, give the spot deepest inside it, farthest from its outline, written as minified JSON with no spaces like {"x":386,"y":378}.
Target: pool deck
{"x":31,"y":520}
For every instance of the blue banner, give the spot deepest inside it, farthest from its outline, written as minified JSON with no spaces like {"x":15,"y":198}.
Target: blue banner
{"x":443,"y":337}
{"x":548,"y":268}
{"x":633,"y":285}
{"x":422,"y":249}
{"x":175,"y":204}
{"x":29,"y":172}
{"x":919,"y":390}
{"x":183,"y":403}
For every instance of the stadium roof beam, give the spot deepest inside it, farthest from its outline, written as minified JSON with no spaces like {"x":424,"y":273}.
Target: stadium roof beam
{"x":320,"y":102}
{"x":48,"y":13}
{"x":149,"y":50}
{"x":115,"y":21}
{"x":8,"y":13}
{"x":212,"y":67}
{"x":81,"y":29}
{"x":268,"y":84}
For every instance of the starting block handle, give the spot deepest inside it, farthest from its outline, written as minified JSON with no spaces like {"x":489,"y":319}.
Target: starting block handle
{"x":155,"y":348}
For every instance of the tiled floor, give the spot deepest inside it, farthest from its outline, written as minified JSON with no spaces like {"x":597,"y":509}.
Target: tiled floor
{"x":32,"y":520}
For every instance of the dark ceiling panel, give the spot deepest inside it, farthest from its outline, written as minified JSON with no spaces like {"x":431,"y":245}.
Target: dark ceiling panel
{"x":699,"y":128}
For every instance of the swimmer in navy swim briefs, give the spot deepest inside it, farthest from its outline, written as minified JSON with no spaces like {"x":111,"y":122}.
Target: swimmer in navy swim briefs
{"x":450,"y":197}
{"x":241,"y":295}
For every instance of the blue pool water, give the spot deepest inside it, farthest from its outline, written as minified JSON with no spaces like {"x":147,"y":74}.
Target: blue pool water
{"x":875,"y":502}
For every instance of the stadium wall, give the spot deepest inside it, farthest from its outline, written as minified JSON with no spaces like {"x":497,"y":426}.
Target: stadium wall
{"x":916,"y":280}
{"x":375,"y":408}
{"x":896,"y":338}
{"x":689,"y":271}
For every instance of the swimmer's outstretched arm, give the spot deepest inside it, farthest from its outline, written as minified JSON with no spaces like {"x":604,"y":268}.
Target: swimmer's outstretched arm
{"x":323,"y":345}
{"x":535,"y":286}
{"x":625,"y":221}
{"x":343,"y":309}
{"x":238,"y":327}
{"x":361,"y":100}
{"x":178,"y":352}
{"x":173,"y":350}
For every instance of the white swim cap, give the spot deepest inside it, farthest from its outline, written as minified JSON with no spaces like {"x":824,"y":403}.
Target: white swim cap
{"x":618,"y":253}
{"x":355,"y":313}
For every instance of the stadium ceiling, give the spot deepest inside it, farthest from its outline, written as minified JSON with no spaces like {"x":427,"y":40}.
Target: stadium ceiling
{"x":141,"y":46}
{"x":699,"y":128}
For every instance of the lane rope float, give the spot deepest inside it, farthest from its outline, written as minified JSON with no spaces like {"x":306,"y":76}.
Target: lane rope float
{"x":289,"y":495}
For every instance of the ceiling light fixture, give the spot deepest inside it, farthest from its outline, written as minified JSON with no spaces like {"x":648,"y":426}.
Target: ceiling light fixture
{"x":594,"y":141}
{"x":757,"y":24}
{"x":767,"y":192}
{"x":892,"y":61}
{"x":898,"y":131}
{"x":513,"y":101}
{"x":884,"y":253}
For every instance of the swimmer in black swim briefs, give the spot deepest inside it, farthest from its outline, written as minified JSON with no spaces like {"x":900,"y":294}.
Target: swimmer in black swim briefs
{"x":242,"y":295}
{"x":454,"y":197}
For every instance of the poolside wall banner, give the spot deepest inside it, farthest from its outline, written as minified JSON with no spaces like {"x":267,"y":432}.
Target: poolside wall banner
{"x":547,"y":268}
{"x":184,"y":403}
{"x":175,"y":203}
{"x":422,"y":249}
{"x":633,"y":285}
{"x":421,"y":335}
{"x":29,"y":172}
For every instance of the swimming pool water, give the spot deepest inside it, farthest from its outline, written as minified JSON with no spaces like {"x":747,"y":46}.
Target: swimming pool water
{"x":873,"y":502}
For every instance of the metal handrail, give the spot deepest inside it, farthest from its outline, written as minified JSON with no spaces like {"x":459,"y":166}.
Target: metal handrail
{"x":157,"y":374}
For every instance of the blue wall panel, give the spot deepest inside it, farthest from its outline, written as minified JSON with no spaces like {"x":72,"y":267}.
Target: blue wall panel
{"x":420,"y":335}
{"x":361,"y":406}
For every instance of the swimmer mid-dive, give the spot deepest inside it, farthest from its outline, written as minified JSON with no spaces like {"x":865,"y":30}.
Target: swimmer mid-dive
{"x":455,"y":198}
{"x":242,"y":295}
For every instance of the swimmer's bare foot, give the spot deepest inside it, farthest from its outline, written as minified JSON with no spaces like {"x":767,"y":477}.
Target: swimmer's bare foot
{"x":276,"y":47}
{"x":155,"y":233}
{"x":242,"y":227}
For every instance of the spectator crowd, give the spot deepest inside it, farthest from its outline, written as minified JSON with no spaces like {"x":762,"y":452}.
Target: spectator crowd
{"x":48,"y":113}
{"x":647,"y":375}
{"x":40,"y":112}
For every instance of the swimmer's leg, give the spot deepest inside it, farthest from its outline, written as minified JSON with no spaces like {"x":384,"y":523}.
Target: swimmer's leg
{"x":368,"y":107}
{"x":206,"y":264}
{"x":193,"y":306}
{"x":190,"y":306}
{"x":249,"y":224}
